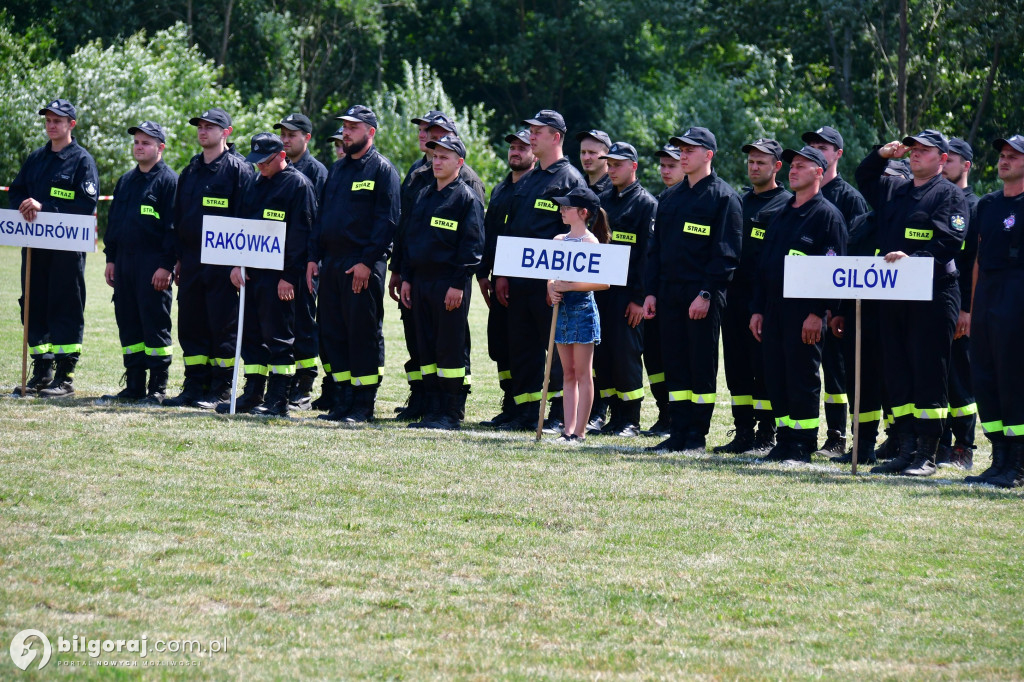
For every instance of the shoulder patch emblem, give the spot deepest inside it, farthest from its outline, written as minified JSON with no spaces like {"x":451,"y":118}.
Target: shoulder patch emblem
{"x":830,"y":252}
{"x":958,"y":223}
{"x":1009,"y":222}
{"x":89,"y":187}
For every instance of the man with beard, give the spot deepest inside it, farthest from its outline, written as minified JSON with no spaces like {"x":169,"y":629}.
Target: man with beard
{"x":520,"y":162}
{"x":352,"y":238}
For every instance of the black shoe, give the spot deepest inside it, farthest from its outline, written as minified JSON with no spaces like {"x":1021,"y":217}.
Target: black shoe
{"x":835,"y":444}
{"x":325,"y":402}
{"x":742,"y":441}
{"x":866,"y":456}
{"x":670,"y":444}
{"x":629,"y":431}
{"x":695,"y":444}
{"x":1012,"y":473}
{"x":779,"y":453}
{"x":189,"y":396}
{"x":416,"y":407}
{"x":134,"y":381}
{"x":764,"y":439}
{"x":62,"y":385}
{"x":42,"y":376}
{"x":800,"y":453}
{"x":889,"y":448}
{"x":662,"y":427}
{"x":275,"y":404}
{"x":596,"y":425}
{"x":961,"y":457}
{"x":552,"y":426}
{"x":498,"y":419}
{"x":943,"y":454}
{"x":907,"y":445}
{"x":1000,"y":453}
{"x":924,"y":458}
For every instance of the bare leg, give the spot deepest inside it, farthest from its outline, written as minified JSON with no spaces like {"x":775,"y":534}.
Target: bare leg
{"x":569,"y":397}
{"x":583,"y":363}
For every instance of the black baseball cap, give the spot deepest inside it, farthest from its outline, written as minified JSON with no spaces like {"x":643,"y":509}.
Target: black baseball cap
{"x":521,"y":135}
{"x":443,"y":121}
{"x":961,"y":149}
{"x":929,"y":138}
{"x":61,"y":107}
{"x":669,"y":150}
{"x":696,"y":137}
{"x":824,"y":134}
{"x":547,"y":117}
{"x":1017,"y":142}
{"x":358,"y":113}
{"x":336,"y":135}
{"x":264,"y":146}
{"x":149,"y":128}
{"x":451,"y":142}
{"x":809,"y":153}
{"x":898,"y":168}
{"x":427,"y":117}
{"x":599,"y":135}
{"x":622,"y":151}
{"x":765,"y":145}
{"x":216,"y":116}
{"x":580,"y":197}
{"x":295,"y":122}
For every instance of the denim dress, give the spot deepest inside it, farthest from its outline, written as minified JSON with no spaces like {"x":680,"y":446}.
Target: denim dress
{"x":578,"y":319}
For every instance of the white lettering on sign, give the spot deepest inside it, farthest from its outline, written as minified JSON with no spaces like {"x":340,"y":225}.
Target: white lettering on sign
{"x":853,"y":277}
{"x":567,"y":261}
{"x":238,"y":241}
{"x":54,"y":231}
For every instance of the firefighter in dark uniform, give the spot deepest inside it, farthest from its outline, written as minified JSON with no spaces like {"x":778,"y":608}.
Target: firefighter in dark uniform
{"x":743,"y":356}
{"x":618,"y":362}
{"x":139,"y":245}
{"x":59,"y":177}
{"x":443,"y":243}
{"x":672,"y":174}
{"x":791,"y":330}
{"x":280,"y":193}
{"x":924,"y":217}
{"x":534,"y":215}
{"x":996,"y":325}
{"x":296,"y":131}
{"x":520,"y":163}
{"x":352,"y":237}
{"x":432,"y":126}
{"x":862,"y":240}
{"x":851,"y":204}
{"x":695,"y":249}
{"x":594,"y":144}
{"x":214,"y":183}
{"x":963,"y":410}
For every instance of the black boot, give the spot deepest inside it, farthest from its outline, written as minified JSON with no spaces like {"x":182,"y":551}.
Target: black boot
{"x":630,"y":421}
{"x":801,"y":449}
{"x":904,"y":456}
{"x":220,"y":389}
{"x":451,"y":413}
{"x":157,"y":388}
{"x":363,"y":400}
{"x":342,"y":403}
{"x":192,"y":389}
{"x":613,"y":424}
{"x":889,"y":448}
{"x":328,"y":388}
{"x":135,"y":386}
{"x":555,"y":422}
{"x":1000,"y":453}
{"x":299,"y":397}
{"x":252,"y":395}
{"x":42,"y":377}
{"x":865,"y":452}
{"x":525,"y":419}
{"x":835,"y":444}
{"x":962,"y":457}
{"x":783,"y":448}
{"x":62,"y":385}
{"x":416,"y":407}
{"x":663,"y":424}
{"x":432,"y":411}
{"x":924,"y":457}
{"x":742,"y":441}
{"x":275,"y":404}
{"x":508,"y":411}
{"x":1012,"y":474}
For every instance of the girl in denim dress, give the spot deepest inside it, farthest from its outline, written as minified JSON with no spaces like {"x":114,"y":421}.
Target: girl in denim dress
{"x":578,"y":327}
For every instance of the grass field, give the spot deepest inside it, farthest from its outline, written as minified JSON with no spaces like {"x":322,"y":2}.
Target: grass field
{"x":325,"y":552}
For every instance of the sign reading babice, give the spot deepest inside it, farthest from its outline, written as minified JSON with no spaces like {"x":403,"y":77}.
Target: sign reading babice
{"x":238,"y":241}
{"x":566,"y":261}
{"x":853,"y":277}
{"x":54,"y":231}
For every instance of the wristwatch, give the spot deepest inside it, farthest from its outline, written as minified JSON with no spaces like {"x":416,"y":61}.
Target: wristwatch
{"x":706,"y":295}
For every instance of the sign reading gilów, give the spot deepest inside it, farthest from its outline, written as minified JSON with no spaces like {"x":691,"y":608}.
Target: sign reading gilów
{"x":567,"y":261}
{"x":864,"y":277}
{"x":239,"y":241}
{"x":55,"y":231}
